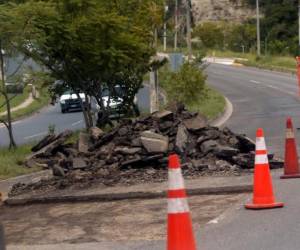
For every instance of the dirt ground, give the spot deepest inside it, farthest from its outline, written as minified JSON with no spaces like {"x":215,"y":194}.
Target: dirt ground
{"x":96,"y":222}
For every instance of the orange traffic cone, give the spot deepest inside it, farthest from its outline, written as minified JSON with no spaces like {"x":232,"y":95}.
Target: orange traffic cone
{"x":180,"y":231}
{"x":263,"y":196}
{"x":291,"y":165}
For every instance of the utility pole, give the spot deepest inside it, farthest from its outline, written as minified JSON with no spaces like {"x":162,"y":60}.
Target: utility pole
{"x":258,"y":27}
{"x":299,"y":24}
{"x":188,"y":29}
{"x":165,"y":28}
{"x":165,"y":36}
{"x":176,"y":26}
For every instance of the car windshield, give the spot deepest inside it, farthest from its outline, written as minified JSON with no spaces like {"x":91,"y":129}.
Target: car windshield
{"x":105,"y":92}
{"x":118,"y":91}
{"x":68,"y":92}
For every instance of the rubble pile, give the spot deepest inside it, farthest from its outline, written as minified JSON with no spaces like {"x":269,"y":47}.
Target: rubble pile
{"x":136,"y":151}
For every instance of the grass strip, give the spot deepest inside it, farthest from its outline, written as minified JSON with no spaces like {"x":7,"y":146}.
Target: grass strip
{"x":11,"y":162}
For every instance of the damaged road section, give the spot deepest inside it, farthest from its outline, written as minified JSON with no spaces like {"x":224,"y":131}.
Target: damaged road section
{"x":136,"y":152}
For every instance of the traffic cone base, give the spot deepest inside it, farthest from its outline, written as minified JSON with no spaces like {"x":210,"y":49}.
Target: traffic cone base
{"x":180,"y":232}
{"x":264,"y":206}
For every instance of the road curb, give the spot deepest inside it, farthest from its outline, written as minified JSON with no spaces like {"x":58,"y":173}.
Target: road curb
{"x":6,"y":185}
{"x":238,"y":189}
{"x":224,"y":116}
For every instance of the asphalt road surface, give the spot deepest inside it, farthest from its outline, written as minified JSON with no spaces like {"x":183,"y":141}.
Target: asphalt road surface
{"x":276,"y":229}
{"x":35,"y":127}
{"x":260,"y":99}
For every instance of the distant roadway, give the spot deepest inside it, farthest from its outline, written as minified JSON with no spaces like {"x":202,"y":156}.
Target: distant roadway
{"x":35,"y":127}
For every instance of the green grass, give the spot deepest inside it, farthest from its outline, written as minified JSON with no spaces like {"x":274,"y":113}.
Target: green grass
{"x":38,"y":103}
{"x":272,"y":62}
{"x":211,"y":105}
{"x":11,"y":162}
{"x":17,"y":100}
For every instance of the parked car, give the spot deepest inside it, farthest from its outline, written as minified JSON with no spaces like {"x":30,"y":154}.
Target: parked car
{"x":69,"y":101}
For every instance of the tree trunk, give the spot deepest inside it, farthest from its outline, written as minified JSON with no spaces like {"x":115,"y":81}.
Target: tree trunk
{"x":103,"y":115}
{"x":85,"y":113}
{"x":88,"y":110}
{"x":12,"y":143}
{"x":155,"y":37}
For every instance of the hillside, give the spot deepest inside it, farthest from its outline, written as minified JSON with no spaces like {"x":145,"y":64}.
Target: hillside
{"x":214,"y":10}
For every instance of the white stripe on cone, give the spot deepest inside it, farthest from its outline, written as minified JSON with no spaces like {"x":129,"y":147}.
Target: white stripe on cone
{"x":289,"y":134}
{"x":261,"y":159}
{"x":175,"y":179}
{"x":177,"y":205}
{"x":260,"y":143}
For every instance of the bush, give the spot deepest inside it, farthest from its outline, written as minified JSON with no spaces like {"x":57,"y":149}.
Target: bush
{"x":210,"y":34}
{"x":186,"y":86}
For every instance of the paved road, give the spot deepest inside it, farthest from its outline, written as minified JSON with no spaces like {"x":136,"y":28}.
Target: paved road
{"x":36,"y":126}
{"x":260,"y":99}
{"x":275,"y":229}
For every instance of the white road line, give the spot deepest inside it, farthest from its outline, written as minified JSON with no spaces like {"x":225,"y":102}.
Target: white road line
{"x":279,"y":89}
{"x":273,"y":87}
{"x":213,"y":221}
{"x":35,"y":135}
{"x":253,"y":81}
{"x":76,"y":123}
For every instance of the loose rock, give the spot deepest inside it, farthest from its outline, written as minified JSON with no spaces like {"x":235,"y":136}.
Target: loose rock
{"x":136,"y":151}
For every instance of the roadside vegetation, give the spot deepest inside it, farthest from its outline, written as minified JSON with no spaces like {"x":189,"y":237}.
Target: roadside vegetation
{"x":188,"y":86}
{"x":39,"y":102}
{"x":279,"y":37}
{"x":279,"y":31}
{"x":17,"y":100}
{"x":11,"y":162}
{"x":272,"y":62}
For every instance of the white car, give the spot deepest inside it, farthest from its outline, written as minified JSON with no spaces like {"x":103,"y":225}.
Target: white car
{"x":69,"y":101}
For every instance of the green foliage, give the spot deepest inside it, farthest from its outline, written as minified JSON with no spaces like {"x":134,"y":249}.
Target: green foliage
{"x":210,"y":34}
{"x":241,"y":35}
{"x":279,"y":26}
{"x":211,"y":105}
{"x":88,"y":44}
{"x":51,"y":129}
{"x":218,"y":35}
{"x":279,"y":30}
{"x":15,"y":99}
{"x":185,"y":86}
{"x":271,"y":62}
{"x":11,"y":162}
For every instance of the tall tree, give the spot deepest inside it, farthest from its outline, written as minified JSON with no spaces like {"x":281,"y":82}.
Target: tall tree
{"x":87,"y":44}
{"x":8,"y":34}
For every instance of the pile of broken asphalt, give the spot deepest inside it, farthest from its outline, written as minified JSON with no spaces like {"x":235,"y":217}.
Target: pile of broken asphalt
{"x":136,"y":152}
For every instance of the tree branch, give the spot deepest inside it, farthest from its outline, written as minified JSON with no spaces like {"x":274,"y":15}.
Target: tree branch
{"x":5,"y":123}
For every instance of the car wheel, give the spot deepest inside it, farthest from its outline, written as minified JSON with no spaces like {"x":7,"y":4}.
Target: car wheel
{"x":63,"y":111}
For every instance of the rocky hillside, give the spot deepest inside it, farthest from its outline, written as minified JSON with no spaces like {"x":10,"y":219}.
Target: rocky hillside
{"x":215,"y":10}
